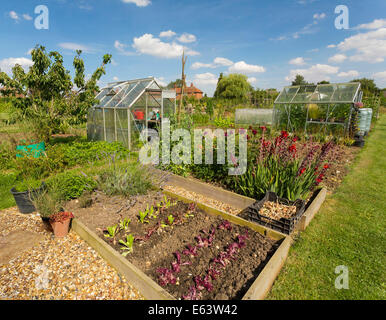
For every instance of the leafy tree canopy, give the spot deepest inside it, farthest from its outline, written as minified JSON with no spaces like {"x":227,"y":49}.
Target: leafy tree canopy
{"x":48,"y":97}
{"x":234,"y":86}
{"x":368,"y":86}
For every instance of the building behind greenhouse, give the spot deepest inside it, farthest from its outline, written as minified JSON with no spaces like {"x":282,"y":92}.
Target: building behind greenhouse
{"x":325,"y":108}
{"x":128,"y":108}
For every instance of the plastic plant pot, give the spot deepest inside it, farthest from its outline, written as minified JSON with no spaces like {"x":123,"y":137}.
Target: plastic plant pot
{"x":23,"y":199}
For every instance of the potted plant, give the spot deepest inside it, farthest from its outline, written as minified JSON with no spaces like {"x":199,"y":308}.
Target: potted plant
{"x":49,"y":205}
{"x":60,"y":223}
{"x":24,"y":192}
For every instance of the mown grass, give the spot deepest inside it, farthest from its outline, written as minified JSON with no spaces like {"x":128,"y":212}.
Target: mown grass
{"x":349,"y":230}
{"x":6,"y":184}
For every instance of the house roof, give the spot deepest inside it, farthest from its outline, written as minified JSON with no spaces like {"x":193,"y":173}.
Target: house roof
{"x":188,"y":90}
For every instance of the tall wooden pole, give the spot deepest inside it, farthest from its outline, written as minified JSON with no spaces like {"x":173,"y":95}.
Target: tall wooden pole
{"x":183,"y":85}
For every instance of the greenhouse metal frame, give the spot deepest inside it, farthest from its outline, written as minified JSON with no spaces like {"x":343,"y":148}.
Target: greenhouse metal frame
{"x":128,"y":108}
{"x":322,"y":105}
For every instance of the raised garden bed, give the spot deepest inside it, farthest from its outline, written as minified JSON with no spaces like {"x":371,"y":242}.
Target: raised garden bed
{"x":233,"y":260}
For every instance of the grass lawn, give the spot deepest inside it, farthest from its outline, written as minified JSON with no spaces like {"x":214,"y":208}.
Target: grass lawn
{"x":6,"y":184}
{"x":349,"y":230}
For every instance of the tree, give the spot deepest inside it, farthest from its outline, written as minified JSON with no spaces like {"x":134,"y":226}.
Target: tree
{"x":368,"y":86}
{"x":49,"y":99}
{"x":173,"y":84}
{"x":324,"y":82}
{"x":215,"y":95}
{"x":234,"y":86}
{"x":299,"y":80}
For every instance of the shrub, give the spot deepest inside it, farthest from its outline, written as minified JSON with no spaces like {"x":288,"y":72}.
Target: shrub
{"x":127,"y":182}
{"x":71,"y":185}
{"x":26,"y":185}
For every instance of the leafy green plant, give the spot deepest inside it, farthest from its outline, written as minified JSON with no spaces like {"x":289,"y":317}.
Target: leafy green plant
{"x":111,"y":231}
{"x":171,"y":220}
{"x":26,"y":185}
{"x":143,"y":215}
{"x":127,"y":245}
{"x":72,"y":184}
{"x":47,"y":202}
{"x":124,"y":224}
{"x":127,"y":182}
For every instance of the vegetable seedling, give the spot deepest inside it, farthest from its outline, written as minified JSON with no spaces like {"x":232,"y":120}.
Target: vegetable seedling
{"x":111,"y":231}
{"x":171,"y":220}
{"x":127,"y":245}
{"x":124,"y":224}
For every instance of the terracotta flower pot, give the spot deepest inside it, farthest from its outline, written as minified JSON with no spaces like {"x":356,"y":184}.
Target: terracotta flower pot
{"x":60,"y":223}
{"x":60,"y":228}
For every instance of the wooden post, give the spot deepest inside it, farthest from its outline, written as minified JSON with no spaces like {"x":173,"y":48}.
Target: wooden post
{"x":182,"y":86}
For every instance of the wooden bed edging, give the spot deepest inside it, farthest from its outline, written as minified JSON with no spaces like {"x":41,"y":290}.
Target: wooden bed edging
{"x":147,"y":287}
{"x":312,"y":210}
{"x":239,"y":201}
{"x":233,"y":199}
{"x":152,"y":291}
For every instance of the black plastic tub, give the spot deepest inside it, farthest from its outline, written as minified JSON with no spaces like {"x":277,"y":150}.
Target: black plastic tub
{"x":286,"y":226}
{"x":23,"y":199}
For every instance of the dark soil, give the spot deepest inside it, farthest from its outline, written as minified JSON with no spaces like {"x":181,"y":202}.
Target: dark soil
{"x":158,"y":251}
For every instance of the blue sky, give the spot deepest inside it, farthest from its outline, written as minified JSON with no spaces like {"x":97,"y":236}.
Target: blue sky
{"x":269,"y":41}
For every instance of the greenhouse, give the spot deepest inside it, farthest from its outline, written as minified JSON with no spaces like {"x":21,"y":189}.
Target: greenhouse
{"x":324,"y":108}
{"x":127,"y":109}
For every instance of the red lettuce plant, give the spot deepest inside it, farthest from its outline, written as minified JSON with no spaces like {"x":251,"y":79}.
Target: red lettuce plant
{"x":166,"y":277}
{"x":193,"y":294}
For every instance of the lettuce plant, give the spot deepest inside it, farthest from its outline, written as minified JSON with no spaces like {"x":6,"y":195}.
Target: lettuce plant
{"x":127,"y":245}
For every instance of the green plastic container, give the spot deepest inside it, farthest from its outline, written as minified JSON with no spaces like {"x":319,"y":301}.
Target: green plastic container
{"x":35,"y":150}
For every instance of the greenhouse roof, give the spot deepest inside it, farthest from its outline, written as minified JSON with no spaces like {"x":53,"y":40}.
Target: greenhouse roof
{"x":124,"y":94}
{"x":323,"y":93}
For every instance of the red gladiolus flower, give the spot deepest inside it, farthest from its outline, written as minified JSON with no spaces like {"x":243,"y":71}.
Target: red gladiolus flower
{"x":326,"y":166}
{"x":263,"y":128}
{"x":295,"y":139}
{"x":284,"y":134}
{"x":292,"y":148}
{"x":318,"y":180}
{"x":302,"y":171}
{"x":254,"y":132}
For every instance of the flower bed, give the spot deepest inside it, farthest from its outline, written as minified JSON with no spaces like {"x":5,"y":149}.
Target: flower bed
{"x":191,"y":254}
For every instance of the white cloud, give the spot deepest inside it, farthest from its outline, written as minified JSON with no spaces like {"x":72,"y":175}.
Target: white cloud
{"x":115,"y":78}
{"x":13,"y":15}
{"x":331,"y":46}
{"x":380,"y":78}
{"x":314,"y":73}
{"x":26,"y":16}
{"x":6,"y":65}
{"x":319,"y":16}
{"x":338,"y":58}
{"x":349,"y":74}
{"x":313,"y":50}
{"x":147,"y":44}
{"x":242,"y":67}
{"x":199,"y":65}
{"x":252,"y":80}
{"x":187,"y":38}
{"x":223,"y":62}
{"x":121,"y":48}
{"x":167,"y":34}
{"x":161,"y":81}
{"x":217,"y":62}
{"x":75,"y":46}
{"x":207,"y":82}
{"x":299,"y":61}
{"x":376,"y":24}
{"x":368,"y":47}
{"x":138,"y":3}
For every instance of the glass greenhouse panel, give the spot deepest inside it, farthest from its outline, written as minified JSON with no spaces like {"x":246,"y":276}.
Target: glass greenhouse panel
{"x":253,"y":116}
{"x":110,"y":125}
{"x":122,"y":126}
{"x":287,"y":94}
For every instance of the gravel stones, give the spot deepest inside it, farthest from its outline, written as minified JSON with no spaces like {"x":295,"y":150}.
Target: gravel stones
{"x":57,"y":269}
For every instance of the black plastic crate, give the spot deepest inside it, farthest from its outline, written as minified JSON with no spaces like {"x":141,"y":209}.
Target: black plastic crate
{"x":283,"y":225}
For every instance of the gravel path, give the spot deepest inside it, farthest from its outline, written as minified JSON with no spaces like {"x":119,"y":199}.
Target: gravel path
{"x":64,"y":269}
{"x":203,"y":199}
